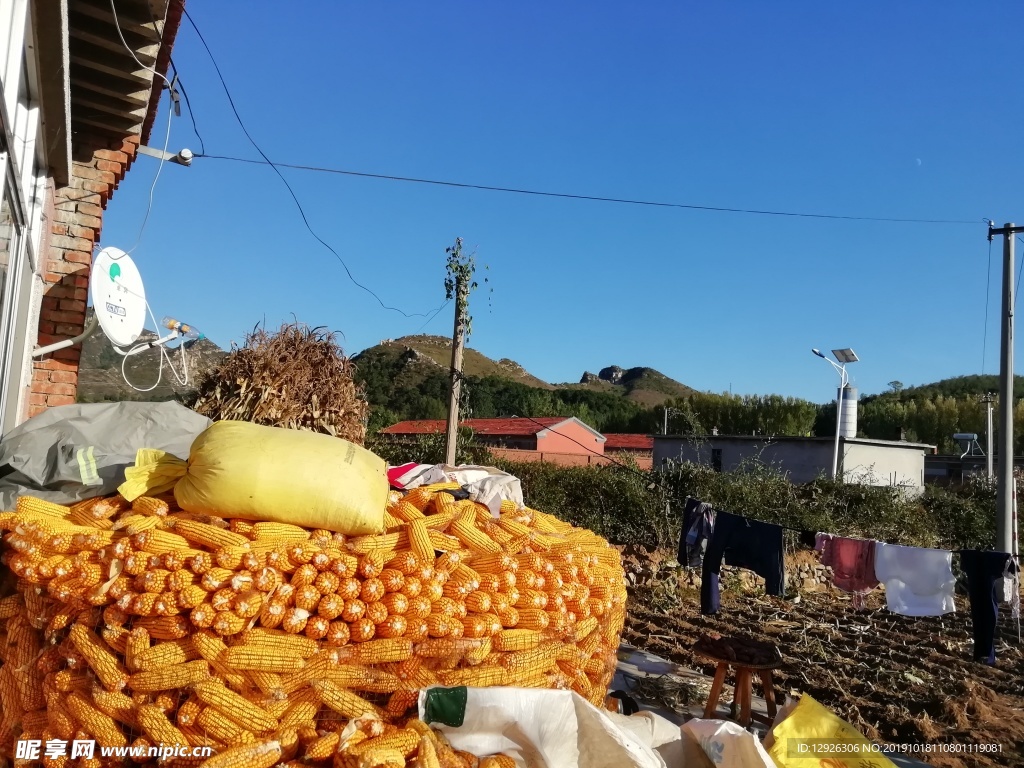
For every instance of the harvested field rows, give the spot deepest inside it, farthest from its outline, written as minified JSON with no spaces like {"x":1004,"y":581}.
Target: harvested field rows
{"x":898,"y":679}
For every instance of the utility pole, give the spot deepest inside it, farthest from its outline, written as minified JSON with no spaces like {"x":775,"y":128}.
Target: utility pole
{"x":664,"y":430}
{"x":458,"y":345}
{"x":987,"y":399}
{"x":1006,"y":493}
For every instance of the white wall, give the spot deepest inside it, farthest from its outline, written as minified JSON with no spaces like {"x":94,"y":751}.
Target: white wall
{"x":802,"y":461}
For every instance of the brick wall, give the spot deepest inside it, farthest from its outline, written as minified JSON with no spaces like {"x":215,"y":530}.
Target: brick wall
{"x":75,"y":229}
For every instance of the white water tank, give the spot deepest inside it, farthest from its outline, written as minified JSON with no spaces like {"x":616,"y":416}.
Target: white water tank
{"x":848,"y":412}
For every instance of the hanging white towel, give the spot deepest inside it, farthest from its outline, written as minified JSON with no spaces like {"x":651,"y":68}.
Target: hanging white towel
{"x":918,"y":582}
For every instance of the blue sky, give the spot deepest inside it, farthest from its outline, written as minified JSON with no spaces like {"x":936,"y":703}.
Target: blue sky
{"x":909,"y":109}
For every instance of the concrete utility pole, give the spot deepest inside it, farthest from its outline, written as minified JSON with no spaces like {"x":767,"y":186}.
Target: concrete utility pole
{"x":988,"y":399}
{"x":664,"y":430}
{"x":458,"y":347}
{"x":1006,"y":492}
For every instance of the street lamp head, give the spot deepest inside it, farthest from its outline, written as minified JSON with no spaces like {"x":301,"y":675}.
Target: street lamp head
{"x":818,"y":353}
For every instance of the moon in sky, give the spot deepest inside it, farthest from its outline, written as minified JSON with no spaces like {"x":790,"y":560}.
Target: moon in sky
{"x":918,"y":161}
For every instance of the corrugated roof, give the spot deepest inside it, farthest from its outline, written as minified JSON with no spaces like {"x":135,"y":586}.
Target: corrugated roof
{"x":516,"y":427}
{"x":628,"y":442}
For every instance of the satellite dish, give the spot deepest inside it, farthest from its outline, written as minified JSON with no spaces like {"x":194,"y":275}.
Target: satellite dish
{"x":118,"y":296}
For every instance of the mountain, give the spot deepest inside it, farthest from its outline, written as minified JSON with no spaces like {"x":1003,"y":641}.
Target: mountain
{"x":958,"y":386}
{"x":642,"y":385}
{"x":100,"y":378}
{"x":412,"y":359}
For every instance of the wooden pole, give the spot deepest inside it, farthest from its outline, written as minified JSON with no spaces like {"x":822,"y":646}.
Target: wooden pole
{"x":458,"y":347}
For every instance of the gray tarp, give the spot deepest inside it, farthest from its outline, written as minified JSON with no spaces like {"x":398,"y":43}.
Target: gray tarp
{"x":74,"y":452}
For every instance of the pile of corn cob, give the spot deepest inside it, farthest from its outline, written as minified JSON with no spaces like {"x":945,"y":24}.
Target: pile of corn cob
{"x":143,"y":624}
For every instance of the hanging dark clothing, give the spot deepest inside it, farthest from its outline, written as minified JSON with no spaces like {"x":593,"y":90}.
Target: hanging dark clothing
{"x":983,"y":569}
{"x":698,"y":524}
{"x":808,"y":539}
{"x":742,"y":543}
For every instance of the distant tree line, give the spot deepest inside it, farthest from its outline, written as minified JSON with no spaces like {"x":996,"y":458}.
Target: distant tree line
{"x":929,"y":414}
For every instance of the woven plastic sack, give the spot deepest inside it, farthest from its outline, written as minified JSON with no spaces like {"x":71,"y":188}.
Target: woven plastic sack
{"x":252,"y":472}
{"x":811,"y":735}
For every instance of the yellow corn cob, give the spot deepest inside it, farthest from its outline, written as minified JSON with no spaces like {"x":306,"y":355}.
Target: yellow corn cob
{"x":268,"y":683}
{"x":256,"y":755}
{"x":498,"y":761}
{"x":118,"y":706}
{"x":533,"y":660}
{"x":66,"y":680}
{"x":517,"y":640}
{"x":585,"y":628}
{"x":147,"y":505}
{"x":385,"y":650}
{"x":101,"y":727}
{"x":426,"y":754}
{"x":211,"y":648}
{"x":243,"y":527}
{"x":439,"y":521}
{"x":110,"y":672}
{"x":280,"y":532}
{"x":323,"y":748}
{"x":482,"y":676}
{"x":282,"y":642}
{"x":443,"y":541}
{"x":157,"y":727}
{"x":342,"y":701}
{"x":404,"y":740}
{"x":228,"y":623}
{"x":474,"y":539}
{"x":420,"y":542}
{"x":241,"y":657}
{"x":158,"y":542}
{"x":31,"y":505}
{"x":165,"y":627}
{"x":188,"y":712}
{"x":166,"y":653}
{"x":136,"y":644}
{"x":301,"y":714}
{"x":209,"y":536}
{"x":294,"y":619}
{"x":383,"y":542}
{"x":234,"y":707}
{"x":35,"y":721}
{"x":443,"y":648}
{"x":170,"y":677}
{"x":133,"y":524}
{"x":211,"y":722}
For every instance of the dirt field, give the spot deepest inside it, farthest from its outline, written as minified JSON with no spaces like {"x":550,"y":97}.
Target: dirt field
{"x":897,"y":679}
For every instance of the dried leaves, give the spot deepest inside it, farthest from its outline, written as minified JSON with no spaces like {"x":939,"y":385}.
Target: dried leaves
{"x":298,"y":378}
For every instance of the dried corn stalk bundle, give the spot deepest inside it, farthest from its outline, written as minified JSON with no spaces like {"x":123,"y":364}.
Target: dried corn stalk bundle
{"x":272,"y":643}
{"x":298,"y":378}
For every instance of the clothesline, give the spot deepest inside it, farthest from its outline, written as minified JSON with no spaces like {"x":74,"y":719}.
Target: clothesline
{"x":918,"y":581}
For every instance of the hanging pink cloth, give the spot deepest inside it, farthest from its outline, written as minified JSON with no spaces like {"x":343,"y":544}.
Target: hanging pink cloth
{"x":852,"y":562}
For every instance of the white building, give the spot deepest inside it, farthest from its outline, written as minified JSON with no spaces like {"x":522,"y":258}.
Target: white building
{"x":803,"y":459}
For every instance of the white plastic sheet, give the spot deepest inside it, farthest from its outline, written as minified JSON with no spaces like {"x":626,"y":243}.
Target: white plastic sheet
{"x":728,"y":745}
{"x":488,"y":485}
{"x":552,"y":729}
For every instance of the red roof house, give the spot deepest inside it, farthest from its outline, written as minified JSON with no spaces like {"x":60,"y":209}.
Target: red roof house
{"x":628,"y":444}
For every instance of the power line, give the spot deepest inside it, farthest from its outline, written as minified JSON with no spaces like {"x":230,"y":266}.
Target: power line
{"x":434,"y":314}
{"x":594,"y":198}
{"x":167,"y":135}
{"x":277,"y":170}
{"x":188,"y":105}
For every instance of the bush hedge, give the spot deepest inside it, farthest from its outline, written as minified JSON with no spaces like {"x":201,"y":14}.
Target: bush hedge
{"x":628,"y":505}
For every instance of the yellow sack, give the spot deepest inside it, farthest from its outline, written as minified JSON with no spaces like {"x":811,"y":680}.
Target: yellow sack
{"x":812,"y":736}
{"x":238,"y":469}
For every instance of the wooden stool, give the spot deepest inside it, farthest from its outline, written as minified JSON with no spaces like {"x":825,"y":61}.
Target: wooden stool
{"x":740,"y":710}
